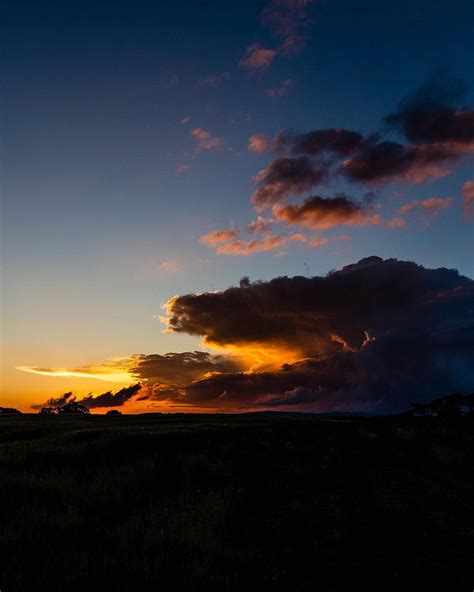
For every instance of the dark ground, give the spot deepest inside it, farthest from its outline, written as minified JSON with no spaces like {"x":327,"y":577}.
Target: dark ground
{"x":233,"y":502}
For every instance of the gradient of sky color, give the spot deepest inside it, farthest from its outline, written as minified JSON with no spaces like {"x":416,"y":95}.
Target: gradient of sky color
{"x":106,"y":193}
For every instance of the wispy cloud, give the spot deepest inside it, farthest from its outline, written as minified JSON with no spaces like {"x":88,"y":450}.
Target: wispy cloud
{"x":213,"y":80}
{"x":205,"y":141}
{"x":257,"y":57}
{"x":217,"y":237}
{"x":282,"y":90}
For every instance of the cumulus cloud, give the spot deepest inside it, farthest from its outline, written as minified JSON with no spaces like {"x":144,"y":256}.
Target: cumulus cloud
{"x":323,"y":212}
{"x":282,"y":90}
{"x":205,"y":140}
{"x":258,"y":143}
{"x":257,"y":57}
{"x":468,"y":198}
{"x":375,"y":335}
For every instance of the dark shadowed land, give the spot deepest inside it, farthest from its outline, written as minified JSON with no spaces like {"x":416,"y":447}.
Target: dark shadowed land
{"x":227,"y":502}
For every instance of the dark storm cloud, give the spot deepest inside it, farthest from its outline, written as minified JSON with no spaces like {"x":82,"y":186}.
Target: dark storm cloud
{"x":386,"y":375}
{"x":372,"y":295}
{"x":286,"y":176}
{"x":429,"y":115}
{"x":376,"y":334}
{"x":107,"y":399}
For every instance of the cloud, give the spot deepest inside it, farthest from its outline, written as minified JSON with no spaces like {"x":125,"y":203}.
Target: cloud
{"x":375,"y":335}
{"x":260,"y":225}
{"x":214,"y":80}
{"x":182,"y":168}
{"x":185,"y":120}
{"x":431,"y":205}
{"x":396,"y":222}
{"x":384,"y":161}
{"x":285,"y":176}
{"x":258,"y":143}
{"x":257,"y":57}
{"x":270,"y":242}
{"x":168,"y":266}
{"x":323,"y":212}
{"x":281,"y":90}
{"x":289,"y":20}
{"x":217,"y":237}
{"x":339,"y":141}
{"x":429,"y":116}
{"x":205,"y":140}
{"x":468,"y":198}
{"x":107,"y":399}
{"x":167,"y":374}
{"x":114,"y":370}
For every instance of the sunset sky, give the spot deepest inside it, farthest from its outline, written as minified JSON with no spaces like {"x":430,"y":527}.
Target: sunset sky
{"x":156,"y":153}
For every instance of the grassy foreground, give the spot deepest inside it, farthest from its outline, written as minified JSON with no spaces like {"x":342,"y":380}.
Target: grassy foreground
{"x":229,"y":502}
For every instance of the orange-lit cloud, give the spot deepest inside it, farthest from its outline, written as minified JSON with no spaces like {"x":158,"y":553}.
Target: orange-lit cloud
{"x":257,"y":57}
{"x":258,"y":143}
{"x":217,"y":237}
{"x":205,"y":140}
{"x":116,"y":370}
{"x":260,"y":224}
{"x":322,"y":213}
{"x":168,"y":266}
{"x":396,"y":222}
{"x":430,"y":205}
{"x":270,"y":242}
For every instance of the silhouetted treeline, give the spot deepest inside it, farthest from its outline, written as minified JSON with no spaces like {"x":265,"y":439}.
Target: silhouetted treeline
{"x":9,"y":410}
{"x":449,"y":406}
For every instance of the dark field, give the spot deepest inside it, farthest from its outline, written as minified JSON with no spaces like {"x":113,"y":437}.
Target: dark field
{"x":229,"y":502}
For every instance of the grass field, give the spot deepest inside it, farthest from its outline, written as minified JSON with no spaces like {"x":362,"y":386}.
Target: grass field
{"x":229,"y":502}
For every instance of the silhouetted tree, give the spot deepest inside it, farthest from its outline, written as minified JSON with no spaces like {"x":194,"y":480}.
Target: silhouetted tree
{"x":68,"y":409}
{"x":114,"y":412}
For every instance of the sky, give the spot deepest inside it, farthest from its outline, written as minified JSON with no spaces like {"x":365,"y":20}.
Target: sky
{"x":237,"y":205}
